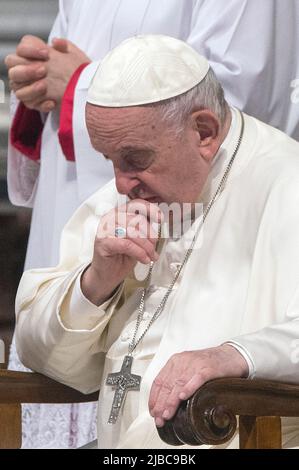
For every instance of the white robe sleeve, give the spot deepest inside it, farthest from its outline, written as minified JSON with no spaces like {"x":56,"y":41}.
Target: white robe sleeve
{"x":245,"y":42}
{"x":274,"y":348}
{"x":51,"y":337}
{"x":220,"y":32}
{"x":22,"y":172}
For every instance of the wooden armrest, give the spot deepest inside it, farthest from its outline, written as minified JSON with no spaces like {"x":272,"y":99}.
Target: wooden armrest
{"x":27,"y":387}
{"x":209,"y":416}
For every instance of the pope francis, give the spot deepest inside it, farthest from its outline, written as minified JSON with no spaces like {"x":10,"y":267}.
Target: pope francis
{"x":147,"y":304}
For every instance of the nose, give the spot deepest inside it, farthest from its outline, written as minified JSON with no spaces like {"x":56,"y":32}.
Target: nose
{"x":125,"y":182}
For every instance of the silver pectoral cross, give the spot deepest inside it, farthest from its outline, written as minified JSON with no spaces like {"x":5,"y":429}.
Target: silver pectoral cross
{"x":123,"y":382}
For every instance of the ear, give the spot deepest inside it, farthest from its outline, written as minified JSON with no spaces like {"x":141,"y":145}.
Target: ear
{"x":207,"y":125}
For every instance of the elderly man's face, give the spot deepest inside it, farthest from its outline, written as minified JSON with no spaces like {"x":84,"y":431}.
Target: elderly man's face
{"x":150,"y":161}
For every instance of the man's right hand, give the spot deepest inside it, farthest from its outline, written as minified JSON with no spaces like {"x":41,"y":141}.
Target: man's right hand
{"x":114,"y":257}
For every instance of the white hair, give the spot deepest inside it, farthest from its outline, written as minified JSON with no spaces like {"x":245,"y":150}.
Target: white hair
{"x":208,"y":94}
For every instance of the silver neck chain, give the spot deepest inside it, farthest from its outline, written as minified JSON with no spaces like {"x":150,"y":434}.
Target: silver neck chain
{"x":134,"y":343}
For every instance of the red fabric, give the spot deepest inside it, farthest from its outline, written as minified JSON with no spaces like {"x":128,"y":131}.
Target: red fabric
{"x":65,"y":133}
{"x":26,"y":132}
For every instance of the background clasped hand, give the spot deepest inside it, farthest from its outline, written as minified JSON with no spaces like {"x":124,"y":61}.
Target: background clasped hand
{"x":39,"y":73}
{"x":186,"y":372}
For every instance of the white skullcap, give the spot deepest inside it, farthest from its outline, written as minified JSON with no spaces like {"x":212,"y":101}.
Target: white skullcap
{"x":146,"y":69}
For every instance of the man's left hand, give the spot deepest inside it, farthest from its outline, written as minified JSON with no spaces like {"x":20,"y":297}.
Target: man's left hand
{"x":186,"y":372}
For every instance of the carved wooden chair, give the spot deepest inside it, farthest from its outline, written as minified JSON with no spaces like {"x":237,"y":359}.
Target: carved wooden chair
{"x":209,"y":417}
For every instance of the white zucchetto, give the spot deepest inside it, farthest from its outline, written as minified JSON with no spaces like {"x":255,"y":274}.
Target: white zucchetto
{"x":146,"y":69}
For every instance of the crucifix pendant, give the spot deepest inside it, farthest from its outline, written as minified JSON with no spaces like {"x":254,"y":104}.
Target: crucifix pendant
{"x":122,"y":382}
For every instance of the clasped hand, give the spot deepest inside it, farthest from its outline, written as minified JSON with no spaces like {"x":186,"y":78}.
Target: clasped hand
{"x":39,"y":74}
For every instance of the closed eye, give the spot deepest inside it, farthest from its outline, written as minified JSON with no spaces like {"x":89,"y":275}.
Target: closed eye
{"x":137,"y":160}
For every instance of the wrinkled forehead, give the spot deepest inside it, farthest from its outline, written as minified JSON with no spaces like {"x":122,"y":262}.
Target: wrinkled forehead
{"x":137,"y":119}
{"x":130,"y":126}
{"x":102,"y":114}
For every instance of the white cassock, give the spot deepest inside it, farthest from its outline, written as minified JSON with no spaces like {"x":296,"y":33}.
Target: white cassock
{"x":252,"y":46}
{"x":240,"y":284}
